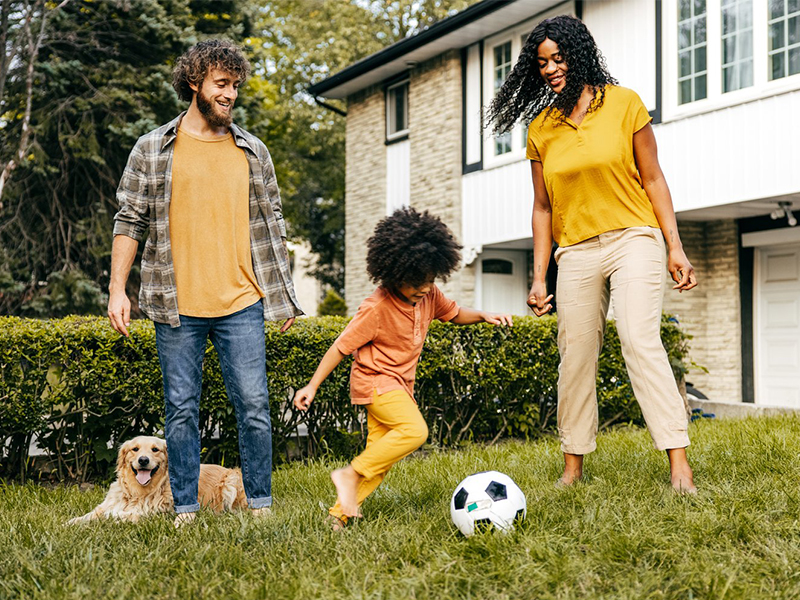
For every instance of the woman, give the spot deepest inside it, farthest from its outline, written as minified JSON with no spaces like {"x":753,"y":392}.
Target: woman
{"x":600,"y":194}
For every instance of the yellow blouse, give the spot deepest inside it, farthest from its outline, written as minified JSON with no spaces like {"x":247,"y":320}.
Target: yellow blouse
{"x":589,"y":169}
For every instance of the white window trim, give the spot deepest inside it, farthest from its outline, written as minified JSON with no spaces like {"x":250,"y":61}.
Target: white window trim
{"x":404,"y":132}
{"x":514,"y":35}
{"x":762,"y":87}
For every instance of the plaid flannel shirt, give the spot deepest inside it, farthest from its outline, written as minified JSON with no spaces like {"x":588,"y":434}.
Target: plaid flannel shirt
{"x":144,"y":196}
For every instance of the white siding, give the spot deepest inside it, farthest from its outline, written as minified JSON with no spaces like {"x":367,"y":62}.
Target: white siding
{"x":623,"y":31}
{"x":745,"y":152}
{"x":398,"y":175}
{"x":472,"y":107}
{"x":497,"y":204}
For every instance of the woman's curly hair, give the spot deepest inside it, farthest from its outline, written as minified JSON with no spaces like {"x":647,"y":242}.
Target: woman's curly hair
{"x":525,"y":93}
{"x":193,"y":66}
{"x":410,"y":248}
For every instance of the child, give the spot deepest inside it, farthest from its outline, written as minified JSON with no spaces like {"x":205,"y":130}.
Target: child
{"x":407,"y":252}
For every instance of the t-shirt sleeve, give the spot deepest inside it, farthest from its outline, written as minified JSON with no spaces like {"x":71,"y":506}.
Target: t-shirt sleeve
{"x":444,"y":309}
{"x":638,"y":112}
{"x":360,"y":331}
{"x":532,"y":152}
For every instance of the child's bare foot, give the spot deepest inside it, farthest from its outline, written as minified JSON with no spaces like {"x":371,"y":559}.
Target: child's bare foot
{"x":261,"y":512}
{"x":568,"y":478}
{"x":335,"y":523}
{"x":346,"y":481}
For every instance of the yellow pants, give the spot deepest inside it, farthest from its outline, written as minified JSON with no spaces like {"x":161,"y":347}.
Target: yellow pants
{"x":396,"y":428}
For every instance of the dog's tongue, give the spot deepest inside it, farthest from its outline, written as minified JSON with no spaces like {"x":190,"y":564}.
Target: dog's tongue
{"x":143,"y":476}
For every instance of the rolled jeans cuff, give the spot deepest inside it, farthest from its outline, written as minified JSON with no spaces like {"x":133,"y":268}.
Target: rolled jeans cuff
{"x":259,"y":502}
{"x":672,"y":443}
{"x":361,"y":469}
{"x":187,"y":508}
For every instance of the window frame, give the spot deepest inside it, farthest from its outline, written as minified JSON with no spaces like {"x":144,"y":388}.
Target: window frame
{"x":390,"y":113}
{"x":716,"y":99}
{"x":515,"y":35}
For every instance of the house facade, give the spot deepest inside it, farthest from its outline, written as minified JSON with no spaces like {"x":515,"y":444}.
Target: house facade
{"x":721,"y":79}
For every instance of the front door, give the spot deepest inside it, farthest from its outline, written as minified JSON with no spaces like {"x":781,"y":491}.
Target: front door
{"x":504,"y":282}
{"x":777,"y":325}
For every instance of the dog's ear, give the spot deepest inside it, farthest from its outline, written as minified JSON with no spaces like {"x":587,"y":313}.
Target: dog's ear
{"x":123,"y":451}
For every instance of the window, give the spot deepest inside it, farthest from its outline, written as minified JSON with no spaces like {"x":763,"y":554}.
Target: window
{"x":502,"y":67}
{"x":397,"y":111}
{"x":498,"y":266}
{"x":784,"y":38}
{"x":692,"y":45}
{"x":737,"y":44}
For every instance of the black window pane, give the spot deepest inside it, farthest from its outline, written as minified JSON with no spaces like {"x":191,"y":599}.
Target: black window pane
{"x":686,"y":63}
{"x":793,"y":6}
{"x":728,"y":50}
{"x":686,"y":91}
{"x":728,"y":79}
{"x":684,"y":9}
{"x":699,"y":7}
{"x":778,"y":69}
{"x":684,"y":35}
{"x":746,"y":74}
{"x":794,"y":61}
{"x":794,"y":30}
{"x":700,"y":31}
{"x":700,"y":87}
{"x":728,"y":20}
{"x":499,"y":266}
{"x":700,"y":59}
{"x":775,"y":8}
{"x":776,"y":39}
{"x":400,"y":108}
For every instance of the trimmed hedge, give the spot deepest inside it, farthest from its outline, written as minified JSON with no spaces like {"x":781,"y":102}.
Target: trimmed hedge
{"x":81,"y":389}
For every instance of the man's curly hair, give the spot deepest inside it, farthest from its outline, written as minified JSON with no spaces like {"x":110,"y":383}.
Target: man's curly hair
{"x":410,"y":248}
{"x":193,"y":66}
{"x":525,"y":94}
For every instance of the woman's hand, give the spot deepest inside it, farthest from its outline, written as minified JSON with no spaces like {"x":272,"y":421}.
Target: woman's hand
{"x":304,"y":397}
{"x":538,"y":299}
{"x":681,"y":270}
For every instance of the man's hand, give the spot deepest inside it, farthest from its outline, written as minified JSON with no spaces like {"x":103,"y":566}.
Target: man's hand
{"x":538,"y":299}
{"x":497,"y":319}
{"x":119,"y":312}
{"x":304,"y":397}
{"x":288,"y":323}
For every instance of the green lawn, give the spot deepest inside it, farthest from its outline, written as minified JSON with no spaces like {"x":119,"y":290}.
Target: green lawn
{"x":619,"y":534}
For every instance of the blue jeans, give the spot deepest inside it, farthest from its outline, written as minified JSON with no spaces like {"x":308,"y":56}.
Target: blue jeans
{"x":239,"y":341}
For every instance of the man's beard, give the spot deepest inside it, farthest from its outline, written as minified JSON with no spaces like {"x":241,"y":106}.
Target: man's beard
{"x":212,"y":117}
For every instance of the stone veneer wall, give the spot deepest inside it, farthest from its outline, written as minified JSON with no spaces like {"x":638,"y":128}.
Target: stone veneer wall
{"x":434,"y":121}
{"x":711,"y":312}
{"x":435,"y":96}
{"x":365,"y":187}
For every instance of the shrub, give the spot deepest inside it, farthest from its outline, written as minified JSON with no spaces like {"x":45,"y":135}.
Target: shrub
{"x":81,"y":389}
{"x":332,"y":306}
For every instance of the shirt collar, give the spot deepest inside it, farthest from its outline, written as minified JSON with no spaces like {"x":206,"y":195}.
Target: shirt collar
{"x":171,"y":132}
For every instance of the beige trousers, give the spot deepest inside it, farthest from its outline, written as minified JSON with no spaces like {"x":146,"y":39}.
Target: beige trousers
{"x":627,"y":265}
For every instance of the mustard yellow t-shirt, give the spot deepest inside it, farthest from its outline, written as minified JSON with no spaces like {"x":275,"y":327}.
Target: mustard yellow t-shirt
{"x":209,"y":216}
{"x":589,"y":169}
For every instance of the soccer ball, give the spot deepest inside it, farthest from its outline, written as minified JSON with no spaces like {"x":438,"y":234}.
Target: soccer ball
{"x":485,"y":500}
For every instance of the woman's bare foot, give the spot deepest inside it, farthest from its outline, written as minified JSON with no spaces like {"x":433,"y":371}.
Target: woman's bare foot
{"x":346,"y":481}
{"x":681,"y":475}
{"x":573,"y":470}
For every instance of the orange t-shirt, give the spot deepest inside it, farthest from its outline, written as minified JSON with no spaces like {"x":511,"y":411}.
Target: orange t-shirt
{"x":386,"y":337}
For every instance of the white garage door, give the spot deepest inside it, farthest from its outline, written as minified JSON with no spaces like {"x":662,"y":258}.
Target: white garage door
{"x":778,"y":325}
{"x":504,"y":282}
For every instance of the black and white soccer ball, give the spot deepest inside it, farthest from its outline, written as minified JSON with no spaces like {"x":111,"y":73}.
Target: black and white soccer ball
{"x":488,"y":500}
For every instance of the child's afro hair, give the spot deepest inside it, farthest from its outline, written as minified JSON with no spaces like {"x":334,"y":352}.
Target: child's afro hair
{"x":410,"y":248}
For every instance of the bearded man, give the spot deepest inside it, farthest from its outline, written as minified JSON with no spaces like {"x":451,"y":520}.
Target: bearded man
{"x":214,"y":266}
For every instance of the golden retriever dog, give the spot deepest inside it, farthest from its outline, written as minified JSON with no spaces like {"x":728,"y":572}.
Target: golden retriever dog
{"x":142,"y":486}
